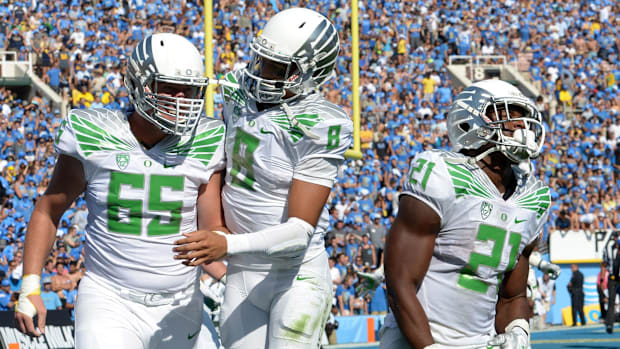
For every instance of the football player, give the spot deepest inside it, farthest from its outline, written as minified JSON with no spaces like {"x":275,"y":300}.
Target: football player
{"x":284,"y":143}
{"x":457,"y":254}
{"x":149,"y":176}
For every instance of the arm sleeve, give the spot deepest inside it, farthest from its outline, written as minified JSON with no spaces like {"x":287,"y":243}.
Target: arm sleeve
{"x":288,"y":239}
{"x":428,"y":180}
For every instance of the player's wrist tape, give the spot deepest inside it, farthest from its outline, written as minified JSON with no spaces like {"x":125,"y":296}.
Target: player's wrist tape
{"x":287,"y":239}
{"x":519,"y":326}
{"x":31,"y":285}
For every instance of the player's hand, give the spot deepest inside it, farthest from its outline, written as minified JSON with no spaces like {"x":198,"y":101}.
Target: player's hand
{"x":202,"y":246}
{"x":515,"y":339}
{"x":214,"y":290}
{"x":30,"y":304}
{"x":368,"y":283}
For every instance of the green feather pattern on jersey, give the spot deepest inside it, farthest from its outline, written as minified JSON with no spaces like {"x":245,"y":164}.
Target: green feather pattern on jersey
{"x":201,"y":147}
{"x":233,"y":94}
{"x":308,"y":120}
{"x":538,"y":201}
{"x":466,"y":184}
{"x":93,"y":135}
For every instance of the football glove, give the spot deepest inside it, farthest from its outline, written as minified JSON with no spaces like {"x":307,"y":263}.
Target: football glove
{"x":368,"y":282}
{"x":516,"y":336}
{"x":552,"y":269}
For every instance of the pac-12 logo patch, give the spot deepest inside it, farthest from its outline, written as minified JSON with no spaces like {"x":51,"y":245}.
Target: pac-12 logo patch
{"x":485,"y":209}
{"x":122,"y":160}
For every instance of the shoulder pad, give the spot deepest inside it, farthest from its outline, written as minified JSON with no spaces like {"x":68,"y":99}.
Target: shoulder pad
{"x":92,"y":130}
{"x":206,"y":144}
{"x":231,"y":94}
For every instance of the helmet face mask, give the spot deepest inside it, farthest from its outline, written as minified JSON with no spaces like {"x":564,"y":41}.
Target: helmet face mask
{"x":166,"y":83}
{"x":269,"y":81}
{"x":305,"y":43}
{"x":493,"y":115}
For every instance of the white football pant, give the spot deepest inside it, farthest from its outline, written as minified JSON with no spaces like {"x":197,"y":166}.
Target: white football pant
{"x":108,"y":317}
{"x":278,"y":308}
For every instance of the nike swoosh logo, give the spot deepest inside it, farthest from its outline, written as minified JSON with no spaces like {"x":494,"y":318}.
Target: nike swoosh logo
{"x":263,"y":131}
{"x":302,"y":278}
{"x":169,"y":165}
{"x":191,"y":336}
{"x":517,"y":221}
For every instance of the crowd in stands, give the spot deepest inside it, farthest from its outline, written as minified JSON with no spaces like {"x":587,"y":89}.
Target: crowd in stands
{"x":567,"y":49}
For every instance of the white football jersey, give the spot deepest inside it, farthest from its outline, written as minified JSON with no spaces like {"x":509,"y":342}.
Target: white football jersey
{"x":263,"y":149}
{"x":139,"y":200}
{"x":481,"y":237}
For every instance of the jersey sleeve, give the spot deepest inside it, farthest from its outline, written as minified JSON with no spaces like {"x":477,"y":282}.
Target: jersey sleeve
{"x":428,"y":180}
{"x":65,"y":141}
{"x":335,"y":136}
{"x":208,"y":148}
{"x":542,"y":213}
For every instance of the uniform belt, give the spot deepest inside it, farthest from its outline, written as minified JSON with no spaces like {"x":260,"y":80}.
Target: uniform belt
{"x":155,"y":299}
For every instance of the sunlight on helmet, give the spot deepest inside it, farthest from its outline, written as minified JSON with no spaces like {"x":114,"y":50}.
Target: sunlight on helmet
{"x":492,"y":115}
{"x":304,"y":43}
{"x":166,"y":83}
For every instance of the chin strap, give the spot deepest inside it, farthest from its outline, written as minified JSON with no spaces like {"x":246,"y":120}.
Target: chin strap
{"x":521,"y":169}
{"x":295,"y":123}
{"x":473,"y":160}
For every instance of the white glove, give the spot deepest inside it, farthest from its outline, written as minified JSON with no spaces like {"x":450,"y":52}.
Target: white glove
{"x":552,"y":269}
{"x":214,"y":290}
{"x":517,"y":336}
{"x":368,"y":282}
{"x":546,"y":267}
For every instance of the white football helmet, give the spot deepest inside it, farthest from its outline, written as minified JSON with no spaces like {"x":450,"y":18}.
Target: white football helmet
{"x":305,"y":42}
{"x":469,"y":127}
{"x":171,"y":60}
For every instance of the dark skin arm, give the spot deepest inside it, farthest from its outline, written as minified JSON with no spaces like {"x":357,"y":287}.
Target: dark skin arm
{"x":409,"y":248}
{"x":512,"y":298}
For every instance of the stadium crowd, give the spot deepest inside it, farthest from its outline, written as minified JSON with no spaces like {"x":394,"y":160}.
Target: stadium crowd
{"x":569,"y":51}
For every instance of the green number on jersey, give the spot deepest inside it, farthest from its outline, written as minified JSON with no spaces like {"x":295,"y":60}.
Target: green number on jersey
{"x":243,"y":158}
{"x":498,"y":236}
{"x":420,"y":165}
{"x":333,"y":137}
{"x":158,"y":182}
{"x":116,"y":204}
{"x":134,"y":206}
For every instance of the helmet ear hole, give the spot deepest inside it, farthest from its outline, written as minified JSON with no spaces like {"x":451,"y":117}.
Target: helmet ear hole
{"x":464,"y":127}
